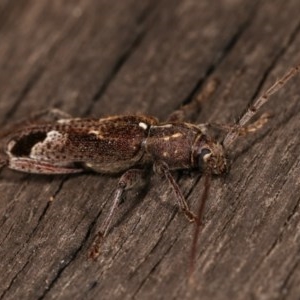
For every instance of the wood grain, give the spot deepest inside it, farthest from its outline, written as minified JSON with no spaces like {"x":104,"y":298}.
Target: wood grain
{"x":99,"y":58}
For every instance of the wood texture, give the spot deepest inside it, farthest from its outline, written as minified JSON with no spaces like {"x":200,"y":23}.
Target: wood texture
{"x":97,"y":58}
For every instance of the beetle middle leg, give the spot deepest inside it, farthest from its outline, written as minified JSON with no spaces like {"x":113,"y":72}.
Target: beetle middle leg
{"x":129,"y":180}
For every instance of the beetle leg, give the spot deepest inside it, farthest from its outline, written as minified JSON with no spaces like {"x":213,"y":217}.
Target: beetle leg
{"x":234,"y":128}
{"x":47,"y":115}
{"x":28,"y":165}
{"x":235,"y":131}
{"x":162,"y":168}
{"x":130,"y":179}
{"x":189,"y":110}
{"x":244,"y":130}
{"x":52,"y":114}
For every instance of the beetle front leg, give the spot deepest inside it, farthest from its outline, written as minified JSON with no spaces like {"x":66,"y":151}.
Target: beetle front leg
{"x":29,"y":165}
{"x":189,"y":110}
{"x":130,"y":179}
{"x":163,"y":168}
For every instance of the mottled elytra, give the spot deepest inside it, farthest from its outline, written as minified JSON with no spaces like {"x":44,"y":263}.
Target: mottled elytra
{"x":129,"y":145}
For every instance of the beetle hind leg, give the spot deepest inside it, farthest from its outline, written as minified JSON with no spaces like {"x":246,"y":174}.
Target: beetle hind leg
{"x":28,"y":165}
{"x":52,"y":114}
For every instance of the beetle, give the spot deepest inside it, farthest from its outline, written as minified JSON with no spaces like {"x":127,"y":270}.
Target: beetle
{"x":127,"y":145}
{"x":116,"y":144}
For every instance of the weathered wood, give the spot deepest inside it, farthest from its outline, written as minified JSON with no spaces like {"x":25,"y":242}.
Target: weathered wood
{"x":102,"y":57}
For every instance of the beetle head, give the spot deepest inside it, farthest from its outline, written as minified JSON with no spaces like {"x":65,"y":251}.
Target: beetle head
{"x":209,"y":156}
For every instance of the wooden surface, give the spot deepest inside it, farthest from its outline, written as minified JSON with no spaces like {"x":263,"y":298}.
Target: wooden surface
{"x":97,"y":58}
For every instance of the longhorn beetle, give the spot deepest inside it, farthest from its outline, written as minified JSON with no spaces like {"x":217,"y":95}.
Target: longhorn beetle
{"x":128,"y":144}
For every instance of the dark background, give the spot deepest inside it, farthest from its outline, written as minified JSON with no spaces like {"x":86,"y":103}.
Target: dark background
{"x":98,"y":58}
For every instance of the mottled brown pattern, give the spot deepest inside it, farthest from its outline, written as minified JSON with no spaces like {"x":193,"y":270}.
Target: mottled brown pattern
{"x":98,"y":58}
{"x":175,"y":140}
{"x":106,"y":145}
{"x":23,"y":146}
{"x":111,"y":145}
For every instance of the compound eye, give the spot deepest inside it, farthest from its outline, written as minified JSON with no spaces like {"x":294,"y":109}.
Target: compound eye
{"x":203,"y":157}
{"x":205,"y":154}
